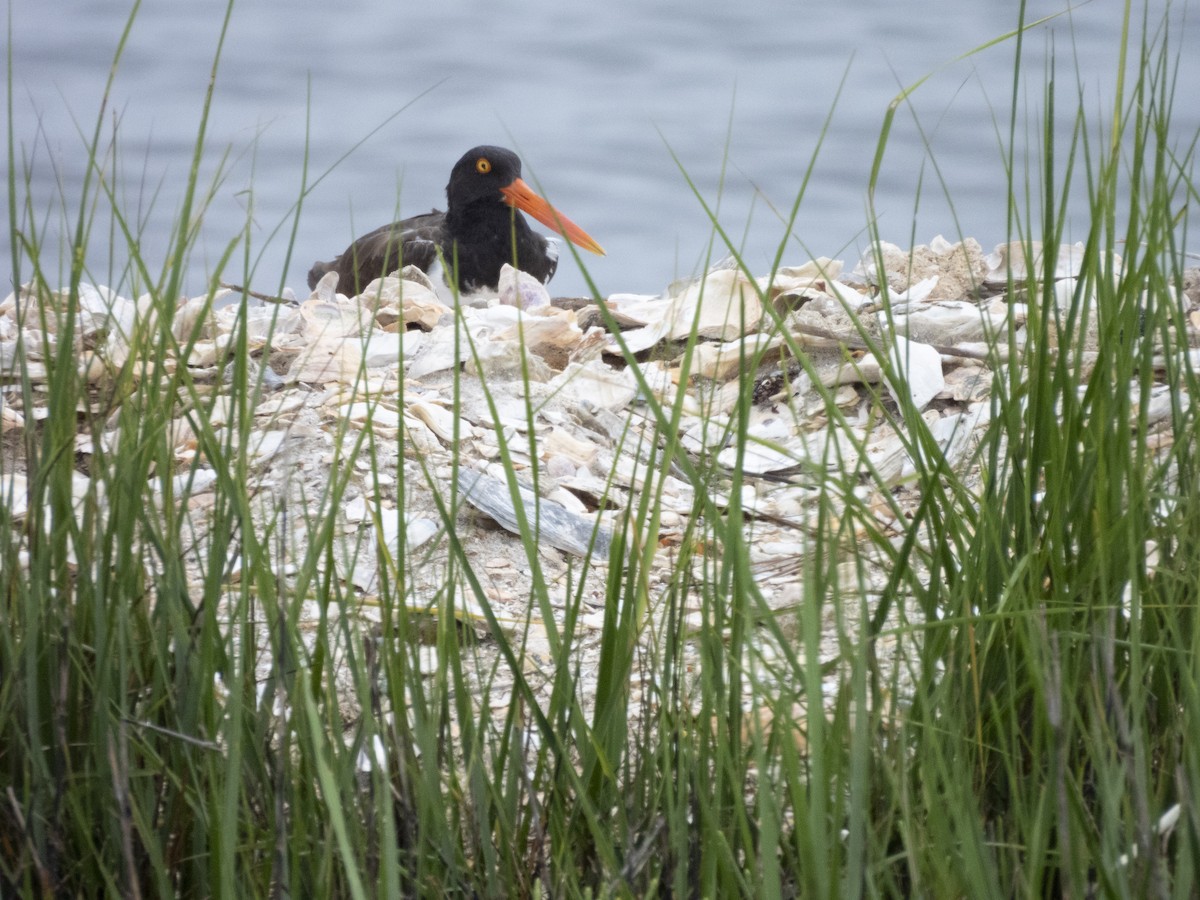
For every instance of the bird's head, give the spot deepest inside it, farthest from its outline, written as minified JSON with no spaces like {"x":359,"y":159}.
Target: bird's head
{"x":493,"y":173}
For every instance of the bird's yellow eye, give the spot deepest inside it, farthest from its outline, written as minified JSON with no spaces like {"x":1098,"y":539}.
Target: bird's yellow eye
{"x":483,"y":165}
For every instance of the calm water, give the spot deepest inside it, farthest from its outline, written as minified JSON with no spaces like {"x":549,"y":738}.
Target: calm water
{"x":595,"y":97}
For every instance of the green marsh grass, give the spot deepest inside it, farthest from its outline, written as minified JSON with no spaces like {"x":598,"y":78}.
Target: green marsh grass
{"x":1009,"y":715}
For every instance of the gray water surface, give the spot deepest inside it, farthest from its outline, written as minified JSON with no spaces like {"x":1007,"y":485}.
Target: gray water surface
{"x":595,"y":97}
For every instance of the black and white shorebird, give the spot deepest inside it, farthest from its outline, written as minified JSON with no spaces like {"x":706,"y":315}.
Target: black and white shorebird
{"x":481,"y":230}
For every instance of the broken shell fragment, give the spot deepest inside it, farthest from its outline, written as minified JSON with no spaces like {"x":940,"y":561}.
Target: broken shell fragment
{"x":917,"y":372}
{"x":554,"y":524}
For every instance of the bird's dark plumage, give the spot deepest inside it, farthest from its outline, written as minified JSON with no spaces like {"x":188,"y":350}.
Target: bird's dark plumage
{"x":478,"y":233}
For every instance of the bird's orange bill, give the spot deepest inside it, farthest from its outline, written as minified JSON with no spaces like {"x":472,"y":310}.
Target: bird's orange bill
{"x":521,"y":196}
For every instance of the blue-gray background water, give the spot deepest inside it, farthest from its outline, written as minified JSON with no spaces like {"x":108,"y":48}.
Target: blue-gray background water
{"x":595,"y":97}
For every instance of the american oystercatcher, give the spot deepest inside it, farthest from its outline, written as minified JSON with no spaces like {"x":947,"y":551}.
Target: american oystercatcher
{"x":479,"y":232}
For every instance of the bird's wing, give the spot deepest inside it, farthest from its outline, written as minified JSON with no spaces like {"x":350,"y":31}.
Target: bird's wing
{"x":409,"y":242}
{"x":552,"y":248}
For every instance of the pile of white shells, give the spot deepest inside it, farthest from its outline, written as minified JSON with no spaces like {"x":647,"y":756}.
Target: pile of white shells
{"x":548,"y":401}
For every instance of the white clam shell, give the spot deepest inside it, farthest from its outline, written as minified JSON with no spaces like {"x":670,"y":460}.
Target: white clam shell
{"x":520,"y":289}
